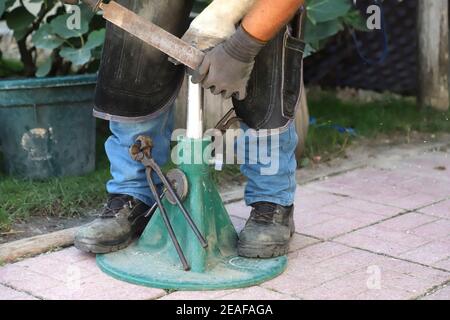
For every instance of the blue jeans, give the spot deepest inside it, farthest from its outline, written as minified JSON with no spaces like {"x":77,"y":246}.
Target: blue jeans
{"x":128,"y":176}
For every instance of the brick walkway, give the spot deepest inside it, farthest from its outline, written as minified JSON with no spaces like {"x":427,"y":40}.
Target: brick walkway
{"x":370,"y":233}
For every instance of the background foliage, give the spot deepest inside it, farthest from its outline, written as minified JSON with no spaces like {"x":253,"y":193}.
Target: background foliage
{"x":49,"y":46}
{"x":325,"y":18}
{"x":328,"y":17}
{"x":47,"y":41}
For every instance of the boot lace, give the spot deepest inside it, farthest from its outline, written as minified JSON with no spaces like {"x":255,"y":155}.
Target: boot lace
{"x":111,"y":210}
{"x":263,"y":213}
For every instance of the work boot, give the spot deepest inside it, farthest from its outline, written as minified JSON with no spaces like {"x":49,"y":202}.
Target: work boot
{"x":267,"y":232}
{"x":122,"y":219}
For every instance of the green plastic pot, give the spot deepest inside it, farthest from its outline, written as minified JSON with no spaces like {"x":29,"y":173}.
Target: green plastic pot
{"x":46,"y":126}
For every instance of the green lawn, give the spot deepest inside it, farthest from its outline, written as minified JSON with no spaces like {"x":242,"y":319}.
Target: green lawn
{"x":10,"y":67}
{"x":72,"y":196}
{"x":68,"y":196}
{"x":367,"y":120}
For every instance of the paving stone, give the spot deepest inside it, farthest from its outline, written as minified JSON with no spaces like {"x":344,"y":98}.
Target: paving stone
{"x":372,"y":207}
{"x":441,"y":209}
{"x":349,"y":262}
{"x":371,"y":184}
{"x":360,"y":215}
{"x":26,"y":280}
{"x":414,"y":201}
{"x":58,"y":269}
{"x":299,"y":242}
{"x":412,"y":269}
{"x":238,"y":209}
{"x":358,"y":239}
{"x":343,"y":288}
{"x":197,"y":295}
{"x":403,"y":244}
{"x":438,"y":229}
{"x":333,"y":220}
{"x":304,"y":219}
{"x":429,"y":253}
{"x":90,"y":265}
{"x":410,"y":283}
{"x":256,"y":293}
{"x":327,"y":184}
{"x":443,"y":264}
{"x":426,"y":165}
{"x":320,"y":252}
{"x":67,"y":281}
{"x":332,"y":228}
{"x":101,"y":287}
{"x":71,"y":255}
{"x":412,"y":286}
{"x":385,"y":294}
{"x":295,"y":281}
{"x":389,"y":240}
{"x":308,"y":199}
{"x":407,"y":221}
{"x":311,"y":267}
{"x":238,"y":223}
{"x":354,"y":274}
{"x":387,"y":196}
{"x":304,"y":272}
{"x":432,"y":185}
{"x":406,"y":239}
{"x":354,"y":177}
{"x":11,"y":294}
{"x":441,"y":294}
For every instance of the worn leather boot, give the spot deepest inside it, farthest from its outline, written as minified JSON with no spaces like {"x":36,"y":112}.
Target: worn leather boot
{"x":267,"y":232}
{"x":122,"y":219}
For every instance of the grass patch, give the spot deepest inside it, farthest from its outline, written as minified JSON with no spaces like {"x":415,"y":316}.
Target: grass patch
{"x":10,"y":67}
{"x":399,"y":116}
{"x":65,"y":196}
{"x":68,"y":196}
{"x":4,"y":219}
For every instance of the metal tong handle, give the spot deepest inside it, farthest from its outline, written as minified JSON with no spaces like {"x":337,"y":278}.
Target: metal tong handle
{"x":172,"y":235}
{"x":173,"y":193}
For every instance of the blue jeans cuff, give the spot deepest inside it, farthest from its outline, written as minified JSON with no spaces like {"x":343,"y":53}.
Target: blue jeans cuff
{"x":282,"y":202}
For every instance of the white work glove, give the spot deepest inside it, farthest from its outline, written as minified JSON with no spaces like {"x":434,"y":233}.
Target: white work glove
{"x":216,"y":23}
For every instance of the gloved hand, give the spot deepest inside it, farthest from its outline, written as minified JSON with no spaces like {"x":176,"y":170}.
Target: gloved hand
{"x":226,"y":69}
{"x":215,"y":23}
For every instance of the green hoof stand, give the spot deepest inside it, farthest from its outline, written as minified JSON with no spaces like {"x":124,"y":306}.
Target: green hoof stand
{"x":153,"y":261}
